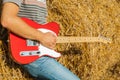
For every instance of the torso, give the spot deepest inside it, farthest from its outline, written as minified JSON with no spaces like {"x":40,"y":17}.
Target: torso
{"x":34,"y":9}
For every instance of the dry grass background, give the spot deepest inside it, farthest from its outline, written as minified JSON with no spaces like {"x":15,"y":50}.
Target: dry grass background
{"x":90,"y":61}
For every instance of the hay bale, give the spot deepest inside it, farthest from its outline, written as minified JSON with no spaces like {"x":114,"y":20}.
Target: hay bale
{"x":90,"y":61}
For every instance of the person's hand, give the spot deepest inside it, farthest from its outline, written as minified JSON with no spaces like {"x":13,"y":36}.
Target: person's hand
{"x":48,"y":40}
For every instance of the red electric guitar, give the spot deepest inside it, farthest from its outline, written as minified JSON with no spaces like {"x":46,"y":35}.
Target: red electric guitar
{"x":25,"y":51}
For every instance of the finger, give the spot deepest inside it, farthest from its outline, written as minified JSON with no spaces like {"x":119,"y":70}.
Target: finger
{"x":52,"y":45}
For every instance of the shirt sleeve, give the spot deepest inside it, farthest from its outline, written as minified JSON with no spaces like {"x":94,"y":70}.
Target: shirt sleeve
{"x":17,"y":2}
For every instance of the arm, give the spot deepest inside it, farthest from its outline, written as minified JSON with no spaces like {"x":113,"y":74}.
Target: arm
{"x":12,"y":22}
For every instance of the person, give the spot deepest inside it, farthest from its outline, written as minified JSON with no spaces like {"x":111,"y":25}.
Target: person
{"x":44,"y":68}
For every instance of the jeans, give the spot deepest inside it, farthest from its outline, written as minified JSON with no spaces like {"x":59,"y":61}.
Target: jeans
{"x":46,"y":68}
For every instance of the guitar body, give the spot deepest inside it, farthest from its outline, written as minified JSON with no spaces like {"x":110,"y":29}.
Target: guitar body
{"x":19,"y":44}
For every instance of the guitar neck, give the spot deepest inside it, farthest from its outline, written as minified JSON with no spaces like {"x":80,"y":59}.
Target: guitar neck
{"x":62,"y":39}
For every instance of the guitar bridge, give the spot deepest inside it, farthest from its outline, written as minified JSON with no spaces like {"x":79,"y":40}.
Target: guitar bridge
{"x":30,"y":53}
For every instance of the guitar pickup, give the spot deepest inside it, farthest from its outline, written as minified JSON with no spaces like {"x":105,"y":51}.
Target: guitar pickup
{"x":32,"y":42}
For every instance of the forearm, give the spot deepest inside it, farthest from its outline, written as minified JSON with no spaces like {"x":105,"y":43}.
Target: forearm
{"x":19,"y":27}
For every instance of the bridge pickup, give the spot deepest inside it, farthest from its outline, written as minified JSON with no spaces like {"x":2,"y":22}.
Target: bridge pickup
{"x":30,"y":53}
